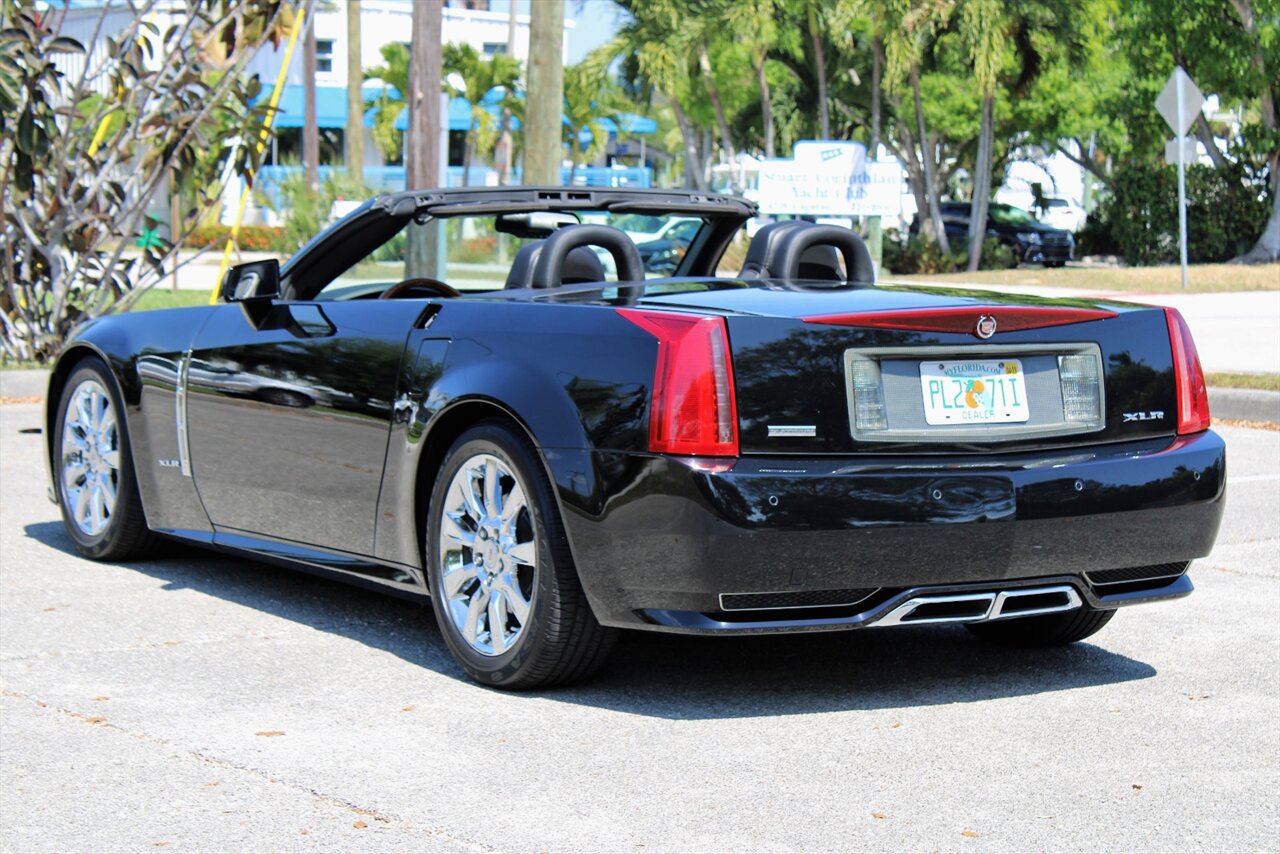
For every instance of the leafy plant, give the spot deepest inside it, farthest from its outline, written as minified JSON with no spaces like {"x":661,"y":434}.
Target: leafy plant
{"x":920,"y":255}
{"x":85,"y":153}
{"x":1227,"y":208}
{"x":306,"y":210}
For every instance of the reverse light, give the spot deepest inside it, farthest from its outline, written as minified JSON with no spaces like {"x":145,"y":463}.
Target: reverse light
{"x":693,"y":409}
{"x":868,"y":398}
{"x":1193,"y":395}
{"x":1078,"y":374}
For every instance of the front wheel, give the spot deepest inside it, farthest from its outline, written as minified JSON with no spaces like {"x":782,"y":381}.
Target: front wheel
{"x":97,"y":489}
{"x":1045,"y":630}
{"x":503,"y":585}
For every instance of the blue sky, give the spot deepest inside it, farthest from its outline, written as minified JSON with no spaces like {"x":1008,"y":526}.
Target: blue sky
{"x":596,"y":22}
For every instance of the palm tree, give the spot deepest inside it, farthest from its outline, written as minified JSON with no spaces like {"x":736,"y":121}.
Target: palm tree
{"x":653,"y":48}
{"x":480,"y":76}
{"x":755,"y":24}
{"x":982,"y":25}
{"x":354,"y":136}
{"x":910,"y":28}
{"x":390,"y":104}
{"x":996,"y":31}
{"x":588,"y":98}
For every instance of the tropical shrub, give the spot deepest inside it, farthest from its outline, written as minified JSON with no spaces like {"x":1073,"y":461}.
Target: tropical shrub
{"x":251,"y":238}
{"x":1226,"y":211}
{"x":79,"y":171}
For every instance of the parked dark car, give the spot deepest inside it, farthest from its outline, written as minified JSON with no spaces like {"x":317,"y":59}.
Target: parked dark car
{"x":1031,"y":241}
{"x":663,"y":256}
{"x":551,"y":457}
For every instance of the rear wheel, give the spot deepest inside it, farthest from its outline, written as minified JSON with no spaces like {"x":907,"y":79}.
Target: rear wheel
{"x":503,"y":585}
{"x":1045,"y":630}
{"x":93,"y":467}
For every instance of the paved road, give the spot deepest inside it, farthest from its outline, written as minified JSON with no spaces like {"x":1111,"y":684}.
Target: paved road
{"x":201,"y":703}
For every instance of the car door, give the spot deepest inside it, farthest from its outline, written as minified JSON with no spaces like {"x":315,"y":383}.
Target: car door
{"x":288,"y":417}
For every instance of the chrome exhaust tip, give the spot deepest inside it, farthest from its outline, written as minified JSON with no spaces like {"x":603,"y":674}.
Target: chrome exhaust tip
{"x":982,"y":607}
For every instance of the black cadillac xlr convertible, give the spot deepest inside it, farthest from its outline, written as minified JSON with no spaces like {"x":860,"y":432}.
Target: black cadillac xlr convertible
{"x":443,"y":397}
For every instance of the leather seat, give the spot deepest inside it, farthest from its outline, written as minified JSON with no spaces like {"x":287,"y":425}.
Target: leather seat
{"x":521,"y":272}
{"x":820,"y":264}
{"x":580,"y":265}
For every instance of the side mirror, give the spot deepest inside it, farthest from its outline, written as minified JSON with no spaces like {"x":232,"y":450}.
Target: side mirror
{"x":257,"y":280}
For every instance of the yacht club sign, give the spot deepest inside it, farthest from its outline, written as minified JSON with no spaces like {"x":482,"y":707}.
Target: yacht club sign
{"x":831,"y":179}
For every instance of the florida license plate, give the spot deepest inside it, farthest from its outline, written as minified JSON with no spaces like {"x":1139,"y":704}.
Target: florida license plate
{"x":974,"y":392}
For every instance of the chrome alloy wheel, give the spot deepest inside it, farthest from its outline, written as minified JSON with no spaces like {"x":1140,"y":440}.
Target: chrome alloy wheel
{"x":488,"y":555}
{"x":90,"y":457}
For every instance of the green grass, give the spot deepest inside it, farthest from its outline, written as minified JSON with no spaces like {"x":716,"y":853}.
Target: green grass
{"x":1262,"y":382}
{"x":1201,"y":278}
{"x":168,"y":298}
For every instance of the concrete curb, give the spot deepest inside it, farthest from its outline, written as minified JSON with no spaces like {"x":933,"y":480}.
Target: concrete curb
{"x":1244,"y":404}
{"x":1231,"y":404}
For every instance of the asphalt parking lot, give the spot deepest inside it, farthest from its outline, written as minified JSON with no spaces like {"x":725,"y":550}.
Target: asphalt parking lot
{"x":197,"y":702}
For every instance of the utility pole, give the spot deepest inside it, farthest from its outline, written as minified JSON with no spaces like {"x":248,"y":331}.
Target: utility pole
{"x":505,"y":156}
{"x":545,"y":99}
{"x":310,"y":131}
{"x":355,"y":94}
{"x":422,"y":143}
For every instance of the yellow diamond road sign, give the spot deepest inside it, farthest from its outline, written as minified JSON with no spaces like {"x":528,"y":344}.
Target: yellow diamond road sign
{"x":1180,"y":88}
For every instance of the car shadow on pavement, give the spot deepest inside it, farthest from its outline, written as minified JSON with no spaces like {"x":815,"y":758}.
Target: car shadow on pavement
{"x":671,"y":676}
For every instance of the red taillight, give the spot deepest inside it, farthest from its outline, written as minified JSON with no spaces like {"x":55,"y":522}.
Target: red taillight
{"x":693,"y":409}
{"x":1193,"y":395}
{"x":962,"y":319}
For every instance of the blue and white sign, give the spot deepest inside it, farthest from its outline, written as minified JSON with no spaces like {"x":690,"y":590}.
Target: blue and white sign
{"x":828,"y":178}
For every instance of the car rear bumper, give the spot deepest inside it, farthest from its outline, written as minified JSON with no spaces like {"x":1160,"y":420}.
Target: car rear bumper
{"x":795,"y":543}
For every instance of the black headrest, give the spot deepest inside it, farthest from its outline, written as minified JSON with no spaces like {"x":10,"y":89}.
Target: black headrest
{"x":802,"y":250}
{"x":549,"y":270}
{"x":763,"y":244}
{"x":795,"y":245}
{"x":581,"y":265}
{"x":522,"y":267}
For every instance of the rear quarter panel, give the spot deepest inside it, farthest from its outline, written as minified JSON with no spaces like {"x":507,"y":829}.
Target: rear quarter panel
{"x":575,"y":377}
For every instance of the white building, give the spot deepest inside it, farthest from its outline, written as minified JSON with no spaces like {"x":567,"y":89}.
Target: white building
{"x":382,"y":22}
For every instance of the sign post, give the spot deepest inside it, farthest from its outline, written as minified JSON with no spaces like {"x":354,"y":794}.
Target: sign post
{"x":1179,"y":103}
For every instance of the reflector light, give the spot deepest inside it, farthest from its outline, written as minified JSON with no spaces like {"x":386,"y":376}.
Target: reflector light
{"x":964,"y":319}
{"x":693,"y":409}
{"x":1081,"y":388}
{"x":1193,"y":395}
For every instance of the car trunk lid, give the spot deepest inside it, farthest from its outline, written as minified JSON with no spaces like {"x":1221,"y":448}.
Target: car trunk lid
{"x":917,"y":370}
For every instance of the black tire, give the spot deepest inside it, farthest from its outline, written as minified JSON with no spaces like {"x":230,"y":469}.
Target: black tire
{"x":560,"y":640}
{"x":1045,"y":630}
{"x":122,"y":533}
